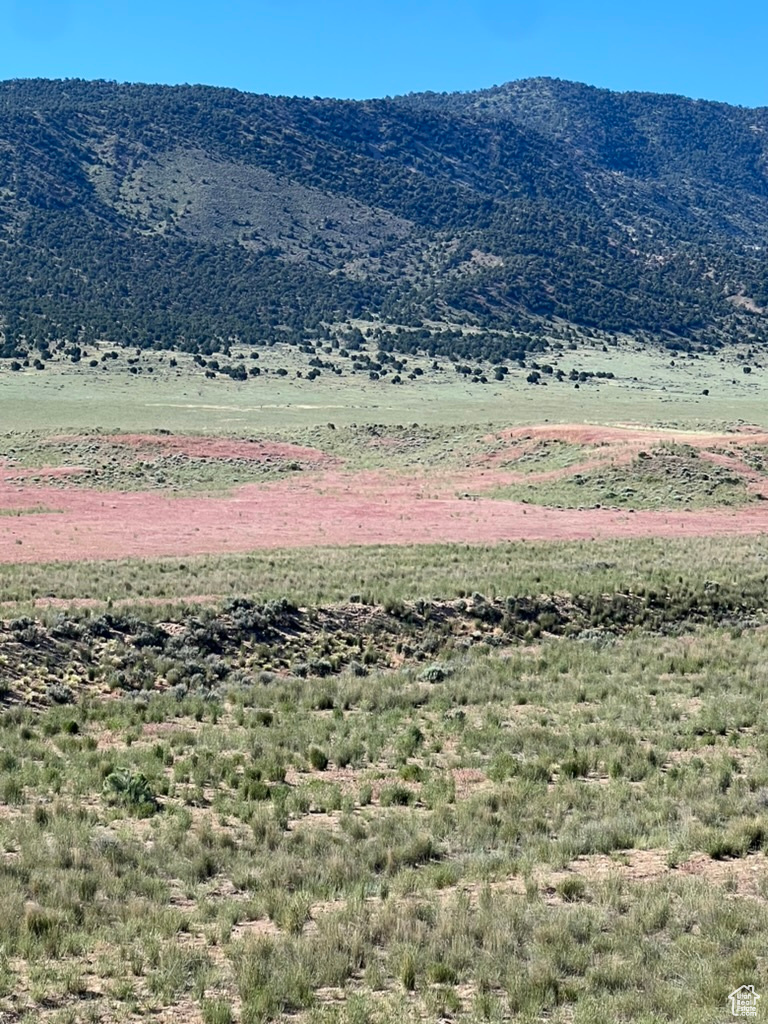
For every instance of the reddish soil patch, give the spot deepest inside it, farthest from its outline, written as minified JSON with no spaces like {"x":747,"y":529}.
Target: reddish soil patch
{"x":49,"y":472}
{"x":586,"y":433}
{"x":366,"y":508}
{"x":756,"y":482}
{"x":331,"y":508}
{"x":618,"y":446}
{"x":207,"y":447}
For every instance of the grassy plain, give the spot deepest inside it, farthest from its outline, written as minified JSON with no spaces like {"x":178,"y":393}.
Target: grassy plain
{"x":76,"y":416}
{"x":381,"y":574}
{"x":525,"y":782}
{"x":646,"y":389}
{"x":543,"y":827}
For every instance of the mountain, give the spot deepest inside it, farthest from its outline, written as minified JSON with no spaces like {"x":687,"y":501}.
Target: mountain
{"x":184,"y":216}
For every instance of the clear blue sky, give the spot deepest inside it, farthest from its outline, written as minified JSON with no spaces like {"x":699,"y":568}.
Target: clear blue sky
{"x":365,"y":49}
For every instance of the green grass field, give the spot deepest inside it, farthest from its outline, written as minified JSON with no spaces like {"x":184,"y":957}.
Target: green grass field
{"x":646,"y":389}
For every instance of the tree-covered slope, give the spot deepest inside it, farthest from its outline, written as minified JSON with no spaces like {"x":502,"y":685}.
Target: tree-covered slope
{"x":180,"y":216}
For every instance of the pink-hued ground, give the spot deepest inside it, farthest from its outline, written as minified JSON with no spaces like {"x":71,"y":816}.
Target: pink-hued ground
{"x":207,"y":447}
{"x":329,"y":506}
{"x":586,"y":433}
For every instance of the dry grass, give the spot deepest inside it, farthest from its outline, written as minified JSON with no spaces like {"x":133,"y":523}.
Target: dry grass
{"x":496,"y":843}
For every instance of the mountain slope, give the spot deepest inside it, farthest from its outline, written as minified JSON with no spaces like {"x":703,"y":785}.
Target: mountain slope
{"x":184,"y":216}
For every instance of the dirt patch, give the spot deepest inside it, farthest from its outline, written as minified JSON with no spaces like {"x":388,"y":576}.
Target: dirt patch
{"x":365,"y":509}
{"x":745,"y":302}
{"x":331,"y":507}
{"x":588,"y":433}
{"x":347,"y":779}
{"x":206,"y":447}
{"x":746,"y":876}
{"x":261,"y":928}
{"x":468,"y":781}
{"x":619,"y":446}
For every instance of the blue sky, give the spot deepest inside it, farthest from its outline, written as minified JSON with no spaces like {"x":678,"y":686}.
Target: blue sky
{"x":365,"y":49}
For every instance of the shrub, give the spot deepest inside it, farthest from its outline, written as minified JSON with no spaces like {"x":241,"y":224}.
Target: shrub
{"x":571,"y":889}
{"x":41,"y":922}
{"x":576,"y":766}
{"x":504,"y":766}
{"x":435,"y":673}
{"x":410,"y":741}
{"x":317,"y":759}
{"x":737,"y":842}
{"x":255,"y":789}
{"x":407,"y":971}
{"x":60,"y":694}
{"x":396,"y":796}
{"x":12,"y":791}
{"x":130,"y":789}
{"x":274,"y":768}
{"x":441,"y":973}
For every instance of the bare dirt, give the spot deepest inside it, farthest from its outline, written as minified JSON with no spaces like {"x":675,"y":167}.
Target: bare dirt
{"x":207,"y":447}
{"x":326,"y":506}
{"x":587,"y":433}
{"x":620,"y":445}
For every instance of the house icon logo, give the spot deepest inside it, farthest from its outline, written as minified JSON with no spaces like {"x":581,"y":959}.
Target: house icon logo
{"x":744,"y":1001}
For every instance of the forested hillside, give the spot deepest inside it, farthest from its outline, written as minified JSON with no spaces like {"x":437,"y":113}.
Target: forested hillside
{"x":186,"y":216}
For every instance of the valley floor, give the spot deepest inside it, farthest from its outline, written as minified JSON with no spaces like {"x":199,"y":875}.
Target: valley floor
{"x":375,"y":721}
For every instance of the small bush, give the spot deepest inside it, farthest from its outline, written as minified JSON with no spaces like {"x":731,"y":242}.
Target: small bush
{"x":571,"y":889}
{"x":41,"y":922}
{"x":440,"y":973}
{"x":575,"y":767}
{"x":12,"y":791}
{"x":255,"y":789}
{"x":216,"y":1011}
{"x":737,"y":842}
{"x":407,"y":971}
{"x":435,"y":673}
{"x":317,"y":759}
{"x":396,"y":796}
{"x":130,"y":789}
{"x":504,"y":766}
{"x":60,"y":694}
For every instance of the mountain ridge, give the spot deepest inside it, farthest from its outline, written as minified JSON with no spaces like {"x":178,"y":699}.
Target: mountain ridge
{"x":186,"y":215}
